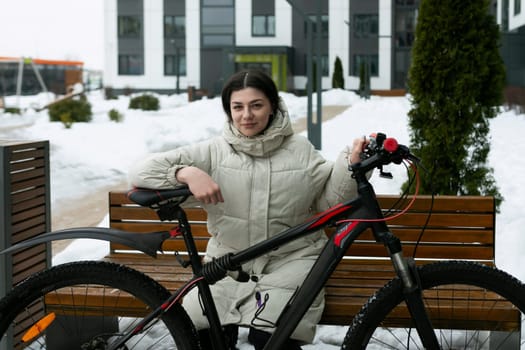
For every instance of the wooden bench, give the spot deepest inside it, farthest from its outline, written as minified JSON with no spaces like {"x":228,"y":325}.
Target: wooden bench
{"x":459,"y":228}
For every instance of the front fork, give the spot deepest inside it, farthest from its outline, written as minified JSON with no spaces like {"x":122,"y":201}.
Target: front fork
{"x":406,"y":271}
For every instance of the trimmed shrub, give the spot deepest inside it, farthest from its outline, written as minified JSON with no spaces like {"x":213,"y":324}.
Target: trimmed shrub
{"x":144,"y":102}
{"x":364,"y":81}
{"x":79,"y":110}
{"x":109,"y":94}
{"x":338,"y":80}
{"x":115,"y":115}
{"x":66,"y":119}
{"x":12,"y":110}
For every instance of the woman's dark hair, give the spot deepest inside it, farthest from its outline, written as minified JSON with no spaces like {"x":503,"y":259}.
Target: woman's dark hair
{"x":250,"y":78}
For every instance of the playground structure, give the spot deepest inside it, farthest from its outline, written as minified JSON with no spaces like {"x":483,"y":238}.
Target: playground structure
{"x":27,"y":76}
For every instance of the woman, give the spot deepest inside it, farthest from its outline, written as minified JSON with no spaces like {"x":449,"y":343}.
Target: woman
{"x":256,"y":180}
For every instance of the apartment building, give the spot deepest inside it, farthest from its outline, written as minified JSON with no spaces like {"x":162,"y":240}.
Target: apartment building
{"x":170,"y":45}
{"x":511,"y":17}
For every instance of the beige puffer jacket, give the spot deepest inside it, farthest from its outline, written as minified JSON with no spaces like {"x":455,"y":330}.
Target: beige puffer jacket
{"x":269,"y":183}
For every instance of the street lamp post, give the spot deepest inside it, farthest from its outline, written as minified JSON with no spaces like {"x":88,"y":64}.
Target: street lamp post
{"x":313,"y":123}
{"x":177,"y":65}
{"x":316,"y":132}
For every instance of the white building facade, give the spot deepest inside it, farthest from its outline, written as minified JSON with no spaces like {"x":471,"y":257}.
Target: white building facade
{"x":170,"y":45}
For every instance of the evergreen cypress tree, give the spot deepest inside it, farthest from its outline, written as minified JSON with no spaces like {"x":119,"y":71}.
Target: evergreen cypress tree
{"x":364,"y":81}
{"x":456,"y":81}
{"x":338,"y":80}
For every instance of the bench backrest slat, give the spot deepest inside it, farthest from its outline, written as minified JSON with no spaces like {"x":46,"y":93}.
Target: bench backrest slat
{"x":459,"y":227}
{"x":137,"y":213}
{"x":444,"y":203}
{"x":438,"y":252}
{"x":447,"y":220}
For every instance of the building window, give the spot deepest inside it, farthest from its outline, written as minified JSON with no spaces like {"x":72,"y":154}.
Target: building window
{"x":263,"y":25}
{"x":366,"y":26}
{"x":174,"y":26}
{"x":370,"y":60}
{"x":324,"y":25}
{"x":170,"y":64}
{"x":129,"y":27}
{"x":217,"y":25}
{"x":218,"y":2}
{"x":405,"y":2}
{"x":405,"y":28}
{"x":130,"y":65}
{"x":325,"y":65}
{"x":504,"y":16}
{"x":517,"y":7}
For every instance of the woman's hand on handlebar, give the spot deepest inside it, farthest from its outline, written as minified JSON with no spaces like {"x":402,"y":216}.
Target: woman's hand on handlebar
{"x":358,"y":146}
{"x":203,"y":187}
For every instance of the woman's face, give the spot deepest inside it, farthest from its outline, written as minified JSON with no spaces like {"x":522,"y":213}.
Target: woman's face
{"x":250,"y":110}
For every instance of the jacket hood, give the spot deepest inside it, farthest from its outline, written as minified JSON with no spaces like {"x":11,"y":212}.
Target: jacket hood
{"x":260,"y":145}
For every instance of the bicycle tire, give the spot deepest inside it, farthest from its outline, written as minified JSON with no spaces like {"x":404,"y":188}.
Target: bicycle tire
{"x":76,"y":324}
{"x":372,"y":326}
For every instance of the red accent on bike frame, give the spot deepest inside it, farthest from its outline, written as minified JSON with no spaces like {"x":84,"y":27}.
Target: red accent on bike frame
{"x":341,"y":235}
{"x":174,"y":232}
{"x":138,"y":329}
{"x":166,"y":306}
{"x":328,"y":214}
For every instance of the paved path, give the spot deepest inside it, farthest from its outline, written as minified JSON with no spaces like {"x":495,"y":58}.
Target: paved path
{"x":328,"y":113}
{"x":91,"y":210}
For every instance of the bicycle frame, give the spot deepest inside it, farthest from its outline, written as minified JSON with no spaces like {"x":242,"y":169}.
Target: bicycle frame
{"x":352,"y":218}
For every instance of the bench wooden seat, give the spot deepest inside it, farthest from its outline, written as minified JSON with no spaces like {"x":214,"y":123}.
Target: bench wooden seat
{"x":459,"y":228}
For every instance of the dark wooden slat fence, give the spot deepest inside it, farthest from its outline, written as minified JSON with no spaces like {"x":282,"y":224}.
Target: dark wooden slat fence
{"x":24,"y":211}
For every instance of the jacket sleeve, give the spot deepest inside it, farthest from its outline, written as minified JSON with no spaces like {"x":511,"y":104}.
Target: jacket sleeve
{"x":338,"y":182}
{"x":158,"y":169}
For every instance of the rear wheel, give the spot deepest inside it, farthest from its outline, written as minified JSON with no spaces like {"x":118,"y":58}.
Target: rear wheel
{"x":55,"y":309}
{"x":471,"y":306}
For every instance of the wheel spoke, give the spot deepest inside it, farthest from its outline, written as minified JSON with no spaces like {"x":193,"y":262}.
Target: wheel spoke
{"x":87,"y":304}
{"x":471,"y":306}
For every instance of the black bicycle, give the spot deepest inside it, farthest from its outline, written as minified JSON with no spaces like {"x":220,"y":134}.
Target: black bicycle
{"x":27,"y":322}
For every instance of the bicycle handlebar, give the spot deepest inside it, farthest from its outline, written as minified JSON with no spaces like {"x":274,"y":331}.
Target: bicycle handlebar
{"x":381,"y":151}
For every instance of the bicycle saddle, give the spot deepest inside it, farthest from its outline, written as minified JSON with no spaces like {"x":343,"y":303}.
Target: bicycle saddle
{"x":151,"y":198}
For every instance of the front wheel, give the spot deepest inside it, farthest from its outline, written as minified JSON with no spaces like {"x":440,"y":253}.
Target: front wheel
{"x":471,"y":306}
{"x":87,"y":305}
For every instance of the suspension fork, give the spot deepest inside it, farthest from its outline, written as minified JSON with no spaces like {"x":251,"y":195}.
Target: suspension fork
{"x":407,"y":272}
